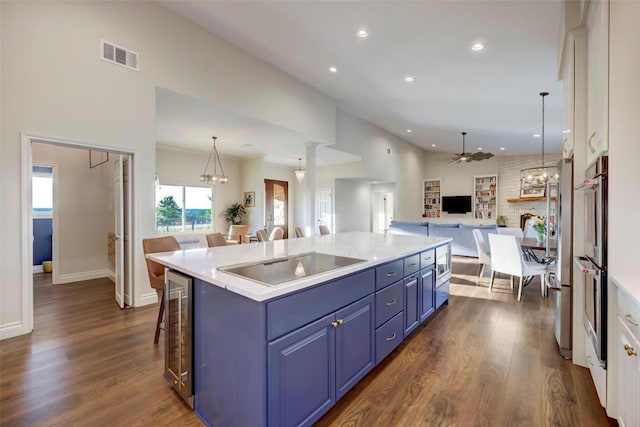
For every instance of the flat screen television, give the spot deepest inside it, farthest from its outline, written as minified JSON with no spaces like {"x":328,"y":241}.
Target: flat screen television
{"x":456,"y":204}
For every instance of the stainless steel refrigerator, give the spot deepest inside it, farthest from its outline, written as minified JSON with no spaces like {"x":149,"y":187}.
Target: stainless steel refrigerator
{"x":562,"y":280}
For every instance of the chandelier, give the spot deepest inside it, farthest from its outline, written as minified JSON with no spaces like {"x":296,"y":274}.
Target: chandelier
{"x":214,"y":178}
{"x":536,"y":178}
{"x":299,"y":172}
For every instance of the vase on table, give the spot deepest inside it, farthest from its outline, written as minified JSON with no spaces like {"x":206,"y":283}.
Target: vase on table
{"x":540,"y":239}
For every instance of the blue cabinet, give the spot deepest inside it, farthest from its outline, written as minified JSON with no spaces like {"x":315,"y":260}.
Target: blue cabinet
{"x":302,"y":374}
{"x":411,"y":309}
{"x":312,"y":367}
{"x":425,"y":293}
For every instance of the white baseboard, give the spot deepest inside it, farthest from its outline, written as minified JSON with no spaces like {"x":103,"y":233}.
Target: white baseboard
{"x":11,"y":330}
{"x":37,"y":269}
{"x":85,"y":275}
{"x":150,"y":298}
{"x":111,"y":275}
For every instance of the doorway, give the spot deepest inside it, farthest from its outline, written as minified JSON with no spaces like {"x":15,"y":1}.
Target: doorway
{"x":382,"y":211}
{"x":91,"y":195}
{"x":276,"y":209}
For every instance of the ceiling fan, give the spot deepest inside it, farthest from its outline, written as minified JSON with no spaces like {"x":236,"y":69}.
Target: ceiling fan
{"x":468,"y":157}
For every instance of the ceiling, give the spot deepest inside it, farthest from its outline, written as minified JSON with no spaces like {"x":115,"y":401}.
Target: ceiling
{"x":492,"y":94}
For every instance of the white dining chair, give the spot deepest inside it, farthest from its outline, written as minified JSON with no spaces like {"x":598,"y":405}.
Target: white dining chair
{"x":484,"y":255}
{"x":529,"y":231}
{"x":511,"y":231}
{"x":507,"y":258}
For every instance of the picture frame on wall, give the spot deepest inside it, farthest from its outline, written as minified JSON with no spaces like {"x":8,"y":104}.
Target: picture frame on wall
{"x":528,"y":191}
{"x":249,"y":199}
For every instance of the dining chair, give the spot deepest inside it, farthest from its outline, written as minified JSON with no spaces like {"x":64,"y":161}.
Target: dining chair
{"x":511,"y":231}
{"x":236,"y":232}
{"x":156,"y":270}
{"x":324,"y":230}
{"x":215,"y":239}
{"x":262,"y":236}
{"x":484,"y":255}
{"x":299,"y":232}
{"x":507,"y":258}
{"x":276,"y":233}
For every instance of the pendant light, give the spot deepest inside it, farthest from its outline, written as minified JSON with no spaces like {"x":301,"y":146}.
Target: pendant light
{"x":537,"y":177}
{"x":300,"y":172}
{"x":215,"y":178}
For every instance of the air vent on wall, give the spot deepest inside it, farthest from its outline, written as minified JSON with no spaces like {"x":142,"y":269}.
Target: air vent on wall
{"x":119,"y":55}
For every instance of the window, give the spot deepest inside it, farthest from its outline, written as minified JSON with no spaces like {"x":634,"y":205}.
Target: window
{"x":181,"y":208}
{"x":42,"y":191}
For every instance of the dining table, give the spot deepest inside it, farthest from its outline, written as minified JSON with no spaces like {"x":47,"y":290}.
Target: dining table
{"x":530,"y":244}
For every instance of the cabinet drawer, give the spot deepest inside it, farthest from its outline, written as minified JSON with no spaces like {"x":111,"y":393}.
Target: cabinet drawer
{"x":388,"y":337}
{"x":427,"y":258}
{"x":291,"y":312}
{"x":411,"y":264}
{"x":389,"y":302}
{"x":629,"y":311}
{"x":442,"y":294}
{"x":389,"y":273}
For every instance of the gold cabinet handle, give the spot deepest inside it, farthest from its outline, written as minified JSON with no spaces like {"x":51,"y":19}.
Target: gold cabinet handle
{"x":630,"y":350}
{"x":392,"y":337}
{"x":393,"y":301}
{"x":340,"y":321}
{"x":391,"y":274}
{"x":334,"y":324}
{"x":591,"y":147}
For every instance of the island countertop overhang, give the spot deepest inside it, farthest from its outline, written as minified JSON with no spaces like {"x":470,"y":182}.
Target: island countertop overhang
{"x":374,"y":248}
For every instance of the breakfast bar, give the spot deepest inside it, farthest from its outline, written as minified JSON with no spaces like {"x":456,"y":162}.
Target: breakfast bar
{"x":274,"y":333}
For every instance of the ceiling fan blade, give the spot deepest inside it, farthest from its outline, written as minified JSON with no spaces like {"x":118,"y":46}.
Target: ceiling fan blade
{"x":481,"y":156}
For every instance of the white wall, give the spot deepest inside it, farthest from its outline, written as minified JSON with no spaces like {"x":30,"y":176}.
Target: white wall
{"x":624,"y":144}
{"x":352,"y":206}
{"x":403,"y":165}
{"x":252,"y":172}
{"x":84,"y":210}
{"x":83,"y":98}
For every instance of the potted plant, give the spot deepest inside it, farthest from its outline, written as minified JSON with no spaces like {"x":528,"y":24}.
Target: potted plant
{"x":233,"y":214}
{"x":501,"y":221}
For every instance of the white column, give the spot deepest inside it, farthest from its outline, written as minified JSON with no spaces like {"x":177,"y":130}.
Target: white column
{"x":310,"y":187}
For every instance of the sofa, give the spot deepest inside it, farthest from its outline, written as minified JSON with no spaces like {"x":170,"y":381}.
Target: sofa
{"x":463,"y":243}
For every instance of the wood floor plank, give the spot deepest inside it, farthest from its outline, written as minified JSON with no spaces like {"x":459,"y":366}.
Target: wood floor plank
{"x":483,"y":360}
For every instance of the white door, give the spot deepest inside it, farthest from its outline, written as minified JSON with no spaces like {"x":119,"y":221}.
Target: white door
{"x":128,"y":251}
{"x":118,"y":208}
{"x":382,"y":210}
{"x":324,"y":214}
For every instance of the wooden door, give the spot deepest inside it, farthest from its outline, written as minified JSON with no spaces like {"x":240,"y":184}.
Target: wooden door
{"x":276,"y":205}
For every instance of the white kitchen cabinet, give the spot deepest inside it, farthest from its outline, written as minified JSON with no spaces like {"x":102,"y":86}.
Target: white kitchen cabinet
{"x":626,"y":351}
{"x":597,"y":79}
{"x":628,"y":382}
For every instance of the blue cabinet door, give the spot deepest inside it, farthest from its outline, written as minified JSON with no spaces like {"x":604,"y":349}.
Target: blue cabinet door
{"x":302,"y":375}
{"x":354,"y":344}
{"x":427,"y":280}
{"x":411,"y":309}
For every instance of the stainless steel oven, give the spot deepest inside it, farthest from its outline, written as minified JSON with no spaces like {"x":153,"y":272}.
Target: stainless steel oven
{"x":593,"y":263}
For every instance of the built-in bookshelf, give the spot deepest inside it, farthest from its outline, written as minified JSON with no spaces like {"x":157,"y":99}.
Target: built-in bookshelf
{"x":432,"y":198}
{"x":485,"y":199}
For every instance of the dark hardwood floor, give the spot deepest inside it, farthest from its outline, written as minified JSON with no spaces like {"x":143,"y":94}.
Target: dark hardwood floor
{"x":485,"y":359}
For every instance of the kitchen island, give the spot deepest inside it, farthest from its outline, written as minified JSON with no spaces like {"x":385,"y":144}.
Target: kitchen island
{"x":280,"y":355}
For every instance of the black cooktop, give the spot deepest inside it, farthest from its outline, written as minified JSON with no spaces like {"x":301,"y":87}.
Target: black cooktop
{"x":281,"y":270}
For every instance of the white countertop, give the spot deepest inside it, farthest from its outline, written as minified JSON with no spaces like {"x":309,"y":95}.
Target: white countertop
{"x":375,"y":248}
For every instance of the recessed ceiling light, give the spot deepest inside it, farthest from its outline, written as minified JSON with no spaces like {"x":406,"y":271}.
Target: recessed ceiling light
{"x":566,"y":131}
{"x":477,"y":46}
{"x":247,"y":145}
{"x":333,"y":69}
{"x":479,"y":148}
{"x":409,"y":79}
{"x":501,"y":148}
{"x":536,"y":135}
{"x":433,"y":145}
{"x":409,"y":131}
{"x":362,"y":33}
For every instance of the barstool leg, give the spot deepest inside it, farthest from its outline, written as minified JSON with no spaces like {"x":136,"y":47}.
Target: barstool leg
{"x":160,"y":316}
